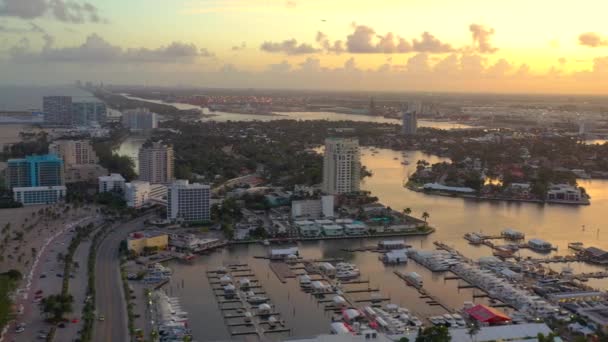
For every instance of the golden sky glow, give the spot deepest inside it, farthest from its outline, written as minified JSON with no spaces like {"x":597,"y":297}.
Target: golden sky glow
{"x":540,"y":46}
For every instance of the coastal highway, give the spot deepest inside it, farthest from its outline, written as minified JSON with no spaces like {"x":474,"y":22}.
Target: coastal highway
{"x":110,"y":297}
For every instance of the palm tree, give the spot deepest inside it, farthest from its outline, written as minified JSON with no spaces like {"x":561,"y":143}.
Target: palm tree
{"x":55,"y":306}
{"x":473,"y":329}
{"x":425,"y":216}
{"x":407,"y":211}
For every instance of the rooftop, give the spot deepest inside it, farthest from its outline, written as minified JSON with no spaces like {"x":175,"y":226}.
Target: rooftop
{"x":37,"y":159}
{"x":145,"y":234}
{"x":112,"y":177}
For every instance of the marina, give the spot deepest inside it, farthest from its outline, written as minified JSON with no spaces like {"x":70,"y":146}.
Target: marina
{"x":243,"y":302}
{"x":307,"y":316}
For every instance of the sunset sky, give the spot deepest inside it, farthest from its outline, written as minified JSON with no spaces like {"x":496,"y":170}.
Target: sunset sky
{"x":536,"y":46}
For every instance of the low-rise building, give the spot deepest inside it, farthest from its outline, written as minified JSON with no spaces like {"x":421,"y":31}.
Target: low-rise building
{"x":313,"y":209}
{"x":357,"y":228}
{"x":137,"y":193}
{"x":308,"y":228}
{"x":333,"y":230}
{"x":113,"y":182}
{"x":191,"y":243}
{"x":564,"y":193}
{"x":39,"y":194}
{"x":139,"y":242}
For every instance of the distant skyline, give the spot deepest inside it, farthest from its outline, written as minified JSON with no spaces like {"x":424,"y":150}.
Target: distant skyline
{"x":383,"y":45}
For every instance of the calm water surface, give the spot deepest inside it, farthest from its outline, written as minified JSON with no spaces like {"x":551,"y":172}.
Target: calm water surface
{"x":452,"y":216}
{"x":330,"y":116}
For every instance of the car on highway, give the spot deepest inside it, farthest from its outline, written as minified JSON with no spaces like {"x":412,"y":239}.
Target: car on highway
{"x":59,"y":275}
{"x":101,"y":318}
{"x":20,"y":328}
{"x":43,"y":275}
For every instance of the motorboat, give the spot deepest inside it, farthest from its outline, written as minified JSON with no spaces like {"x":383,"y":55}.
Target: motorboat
{"x":257,"y":299}
{"x":304,"y":280}
{"x":346,"y":275}
{"x":272,"y":321}
{"x":413,"y":279}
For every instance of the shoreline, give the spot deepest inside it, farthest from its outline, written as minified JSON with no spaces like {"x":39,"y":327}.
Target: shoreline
{"x":495,"y":199}
{"x":430,"y":230}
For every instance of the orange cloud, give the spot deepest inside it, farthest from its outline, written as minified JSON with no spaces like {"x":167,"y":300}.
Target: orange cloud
{"x":592,"y":39}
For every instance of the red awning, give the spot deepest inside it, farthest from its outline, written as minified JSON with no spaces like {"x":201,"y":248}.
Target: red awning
{"x":487,"y":314}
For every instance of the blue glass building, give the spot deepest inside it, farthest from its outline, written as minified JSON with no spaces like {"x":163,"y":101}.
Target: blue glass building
{"x":35,"y":171}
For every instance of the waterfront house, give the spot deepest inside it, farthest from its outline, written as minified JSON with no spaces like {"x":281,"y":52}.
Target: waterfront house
{"x":308,"y":228}
{"x":358,"y":228}
{"x":405,"y":227}
{"x":565,"y":193}
{"x":323,"y":222}
{"x":333,"y":230}
{"x":344,"y":221}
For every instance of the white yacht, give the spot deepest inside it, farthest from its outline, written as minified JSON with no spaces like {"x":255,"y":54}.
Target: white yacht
{"x":304,"y":280}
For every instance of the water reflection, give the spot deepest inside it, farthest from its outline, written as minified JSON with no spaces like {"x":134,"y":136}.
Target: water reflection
{"x":559,"y":224}
{"x":330,"y":116}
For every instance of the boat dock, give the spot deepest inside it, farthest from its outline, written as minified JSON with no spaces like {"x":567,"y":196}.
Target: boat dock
{"x":243,"y":304}
{"x":431,"y":300}
{"x":282,"y":271}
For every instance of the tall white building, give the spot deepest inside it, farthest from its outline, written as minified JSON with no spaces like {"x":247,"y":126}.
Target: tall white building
{"x":156,"y":163}
{"x":137,"y":193}
{"x":313,"y":208}
{"x":113,"y":182}
{"x":188,"y":202}
{"x":409,"y":122}
{"x":139,"y":119}
{"x":341,"y":166}
{"x":74,"y":152}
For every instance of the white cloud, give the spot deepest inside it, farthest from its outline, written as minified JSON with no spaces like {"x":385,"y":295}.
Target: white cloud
{"x":97,"y":50}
